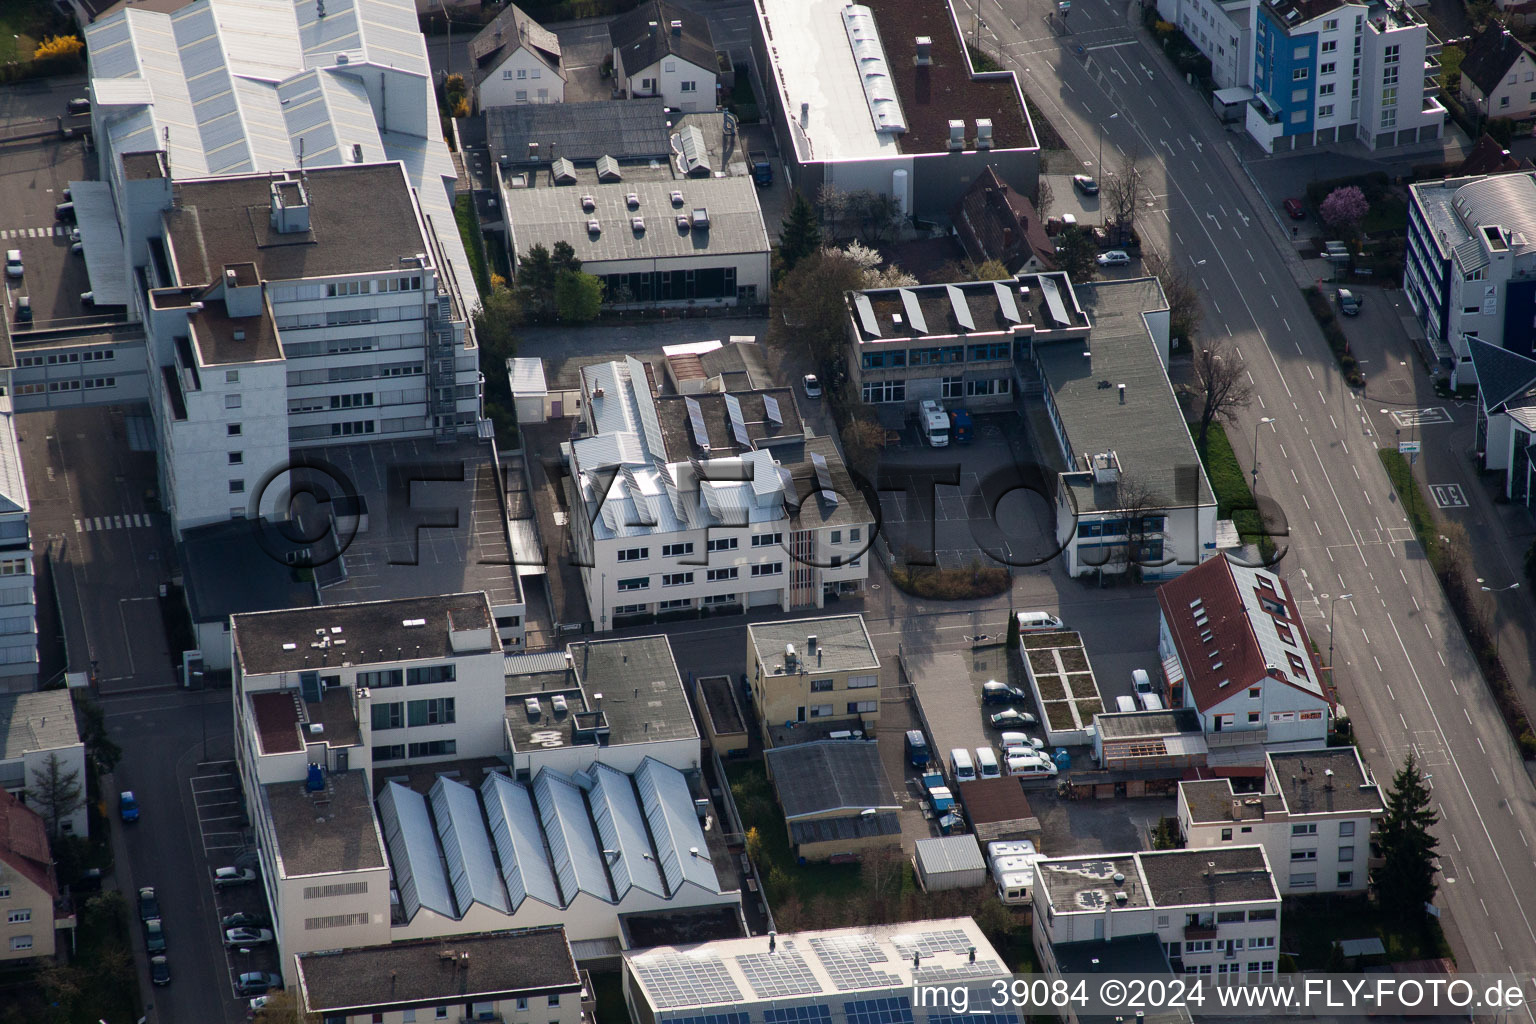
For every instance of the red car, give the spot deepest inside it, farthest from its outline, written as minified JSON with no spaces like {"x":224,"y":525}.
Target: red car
{"x":1295,"y":209}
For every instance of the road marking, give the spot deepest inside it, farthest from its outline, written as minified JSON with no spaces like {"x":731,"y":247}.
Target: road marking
{"x":1426,"y":629}
{"x":1274,"y":300}
{"x":1416,"y":604}
{"x":1319,"y":529}
{"x":1307,"y":503}
{"x":1356,"y":469}
{"x":1378,"y":669}
{"x":1442,"y":659}
{"x":1448,"y":495}
{"x":1261,"y":402}
{"x":1283,"y":454}
{"x":1294,"y":477}
{"x":1365,"y":634}
{"x":1480,"y":745}
{"x":1454,"y":688}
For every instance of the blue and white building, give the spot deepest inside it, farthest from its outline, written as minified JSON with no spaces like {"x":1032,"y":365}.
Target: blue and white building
{"x":1326,"y":72}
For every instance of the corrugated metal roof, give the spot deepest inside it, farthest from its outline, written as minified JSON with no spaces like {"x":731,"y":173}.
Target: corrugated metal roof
{"x":525,"y":866}
{"x":538,"y":662}
{"x":466,"y":846}
{"x":949,"y":853}
{"x":526,"y":374}
{"x":578,"y":861}
{"x":675,"y":826}
{"x":102,"y":241}
{"x":413,"y":852}
{"x":621,"y":827}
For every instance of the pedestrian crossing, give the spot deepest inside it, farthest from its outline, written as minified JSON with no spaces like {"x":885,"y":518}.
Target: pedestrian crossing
{"x":93,"y":524}
{"x":53,"y":232}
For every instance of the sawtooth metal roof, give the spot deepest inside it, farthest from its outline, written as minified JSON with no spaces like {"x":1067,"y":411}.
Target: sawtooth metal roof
{"x":418,"y":870}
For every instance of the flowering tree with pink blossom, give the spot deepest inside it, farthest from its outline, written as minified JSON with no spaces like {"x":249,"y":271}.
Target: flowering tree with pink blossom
{"x":1345,"y":209}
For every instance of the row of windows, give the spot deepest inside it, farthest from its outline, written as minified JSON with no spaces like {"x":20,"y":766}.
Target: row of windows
{"x":899,"y":358}
{"x":394,"y":715}
{"x":399,"y":751}
{"x":339,"y":374}
{"x":854,"y":683}
{"x":855,"y":707}
{"x":372,"y":286}
{"x":1308,"y":879}
{"x":58,"y":358}
{"x":320,"y":403}
{"x":421,"y":674}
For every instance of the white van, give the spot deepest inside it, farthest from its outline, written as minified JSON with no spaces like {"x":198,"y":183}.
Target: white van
{"x":1039,"y":622}
{"x":934,"y":423}
{"x":1016,"y":888}
{"x":960,"y":765}
{"x":986,"y":763}
{"x":1125,"y":703}
{"x":1140,"y":681}
{"x":1151,"y":702}
{"x":1018,"y":741}
{"x":1030,"y":766}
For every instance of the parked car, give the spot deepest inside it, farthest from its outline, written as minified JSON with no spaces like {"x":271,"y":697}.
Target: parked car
{"x":78,"y":105}
{"x":154,"y":935}
{"x":812,"y":386}
{"x":1141,"y":682}
{"x":1018,"y":742}
{"x":223,"y":877}
{"x":23,"y":310}
{"x":128,"y":805}
{"x":13,"y":266}
{"x":255,"y":983}
{"x":149,"y":906}
{"x":87,"y":298}
{"x":259,"y":1003}
{"x":65,"y":212}
{"x":1114,"y":258}
{"x":245,"y":919}
{"x":1349,"y":302}
{"x":1039,"y":622}
{"x":1030,"y":765}
{"x":247,"y":936}
{"x":159,"y":970}
{"x":89,"y":881}
{"x":1295,"y":208}
{"x":994,"y":692}
{"x":1085,"y":184}
{"x":1012,"y":718}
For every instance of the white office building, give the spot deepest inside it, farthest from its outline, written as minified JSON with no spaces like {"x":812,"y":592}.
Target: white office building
{"x":707,"y":502}
{"x":18,"y":600}
{"x":1314,"y":818}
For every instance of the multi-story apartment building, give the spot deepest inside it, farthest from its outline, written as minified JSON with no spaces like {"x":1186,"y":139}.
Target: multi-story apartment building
{"x":1233,"y":648}
{"x":1213,"y":911}
{"x":1329,"y":71}
{"x":1314,"y":818}
{"x":1223,"y":30}
{"x":29,"y":889}
{"x":18,"y":599}
{"x":1471,"y":265}
{"x":35,"y":727}
{"x":821,"y":669}
{"x":707,"y":502}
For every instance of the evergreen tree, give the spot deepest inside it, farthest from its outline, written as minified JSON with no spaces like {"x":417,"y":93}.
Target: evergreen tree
{"x":536,"y":273}
{"x":578,"y":296}
{"x":564,"y":258}
{"x":56,"y":793}
{"x":1406,"y":880}
{"x":799,"y":234}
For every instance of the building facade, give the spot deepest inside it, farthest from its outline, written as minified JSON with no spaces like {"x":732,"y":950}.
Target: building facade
{"x":516,"y":60}
{"x":18,"y":595}
{"x":1314,"y":818}
{"x":1325,"y":71}
{"x":809,"y":669}
{"x":1223,"y":30}
{"x":34,"y":729}
{"x":29,"y":890}
{"x":1498,"y":75}
{"x":663,"y":50}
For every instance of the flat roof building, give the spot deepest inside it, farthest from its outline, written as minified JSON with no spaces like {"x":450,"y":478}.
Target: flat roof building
{"x":33,"y":728}
{"x":821,"y":670}
{"x":883,"y":96}
{"x":835,"y":797}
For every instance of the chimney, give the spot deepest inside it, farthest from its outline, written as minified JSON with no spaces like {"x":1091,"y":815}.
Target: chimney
{"x":1121,"y":389}
{"x":956,"y":136}
{"x":677,"y":28}
{"x":773,"y":941}
{"x":924,"y":51}
{"x":1007,"y":237}
{"x":983,"y":133}
{"x":652,"y":27}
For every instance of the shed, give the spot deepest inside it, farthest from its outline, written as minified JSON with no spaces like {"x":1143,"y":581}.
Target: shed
{"x":950,"y":862}
{"x":530,"y":395}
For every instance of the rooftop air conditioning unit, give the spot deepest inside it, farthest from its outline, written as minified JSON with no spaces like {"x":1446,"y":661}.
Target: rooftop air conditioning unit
{"x":632,"y":200}
{"x":593,"y":227}
{"x":588,"y":203}
{"x":701,"y":218}
{"x":677,"y":198}
{"x":682,"y":222}
{"x":983,"y":133}
{"x":956,"y":136}
{"x":924,"y":50}
{"x":637,"y":223}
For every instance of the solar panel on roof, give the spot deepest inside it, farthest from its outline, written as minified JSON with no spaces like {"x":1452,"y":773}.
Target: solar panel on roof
{"x":867,"y":318}
{"x":824,"y":478}
{"x":686,"y":979}
{"x":696,"y":421}
{"x":848,"y":960}
{"x":952,"y":940}
{"x":1053,"y":302}
{"x":771,"y":407}
{"x":738,"y":424}
{"x":914,"y":311}
{"x":1005,"y":302}
{"x":961,"y":310}
{"x":777,"y":974}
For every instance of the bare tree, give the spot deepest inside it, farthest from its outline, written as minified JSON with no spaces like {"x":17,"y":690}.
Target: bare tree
{"x":1043,"y":197}
{"x":1184,"y":312}
{"x":1221,"y":386}
{"x":1121,"y":192}
{"x":808,"y":307}
{"x":832,"y":203}
{"x":1143,"y":512}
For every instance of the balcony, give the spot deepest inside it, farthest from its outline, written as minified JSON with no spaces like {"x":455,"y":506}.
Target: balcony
{"x":483,"y":1018}
{"x":1204,"y":930}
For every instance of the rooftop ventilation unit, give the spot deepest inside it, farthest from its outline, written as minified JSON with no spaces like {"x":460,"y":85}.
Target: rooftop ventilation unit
{"x":637,"y":223}
{"x":682,"y":222}
{"x":588,"y":203}
{"x":593,"y":227}
{"x":632,"y":201}
{"x":701,"y":218}
{"x":677,"y":198}
{"x":983,"y":133}
{"x":677,"y":28}
{"x":956,"y":136}
{"x":924,"y":51}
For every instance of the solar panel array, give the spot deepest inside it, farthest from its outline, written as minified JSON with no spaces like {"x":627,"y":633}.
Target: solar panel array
{"x":848,"y":961}
{"x":686,"y":980}
{"x":466,"y":847}
{"x":914,"y":311}
{"x":525,"y":866}
{"x":649,"y":422}
{"x":933,"y":974}
{"x":1005,"y":301}
{"x":867,"y":318}
{"x":928,"y":943}
{"x":824,"y":478}
{"x":891,"y":1010}
{"x":696,"y":421}
{"x":771,"y":407}
{"x":781,"y":973}
{"x":958,"y":305}
{"x":738,"y":422}
{"x":820,"y":1013}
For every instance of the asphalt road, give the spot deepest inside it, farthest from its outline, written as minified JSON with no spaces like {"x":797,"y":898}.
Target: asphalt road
{"x":1404,"y":669}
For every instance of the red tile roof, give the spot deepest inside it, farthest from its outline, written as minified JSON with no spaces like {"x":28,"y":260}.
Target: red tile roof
{"x":996,"y":222}
{"x":24,"y":844}
{"x":277,"y":721}
{"x":1232,"y":655}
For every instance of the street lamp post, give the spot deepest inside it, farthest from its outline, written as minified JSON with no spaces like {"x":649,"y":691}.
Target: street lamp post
{"x":1331,"y":605}
{"x":1496,"y":590}
{"x":1262,"y":420}
{"x":1100,"y":171}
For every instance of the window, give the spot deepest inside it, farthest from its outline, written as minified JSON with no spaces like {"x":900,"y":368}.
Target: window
{"x":996,"y":386}
{"x":1298,"y":116}
{"x":862,"y":682}
{"x":437,"y":711}
{"x":1300,"y":74}
{"x":953,"y":387}
{"x":522,"y":73}
{"x":1226,"y":835}
{"x":521,"y":96}
{"x":236,"y":458}
{"x":690,"y":87}
{"x":389,"y":752}
{"x":676,"y":579}
{"x":1303,"y":855}
{"x":1391,"y":53}
{"x":681,"y":602}
{"x":837,"y":537}
{"x":1346,"y":879}
{"x":18,"y":917}
{"x":429,"y":674}
{"x":724,"y":544}
{"x":768,"y":569}
{"x":1503,"y":101}
{"x":676,"y":550}
{"x":437,"y":748}
{"x":1304,"y":830}
{"x":232,"y":429}
{"x":1346,"y":828}
{"x":821,"y":685}
{"x":1261,"y":915}
{"x":231,"y":376}
{"x":853,"y":535}
{"x":1346,"y":854}
{"x":1331,"y":25}
{"x":20,"y":942}
{"x":1198,"y":946}
{"x":863,"y":707}
{"x":5,"y":892}
{"x":386,"y":677}
{"x":387,"y":716}
{"x":1326,"y":89}
{"x":1389,"y":76}
{"x":768,"y":540}
{"x":1329,"y":46}
{"x":13,"y":567}
{"x":878,"y":391}
{"x":442,"y":1013}
{"x":522,"y":1002}
{"x":720,"y":599}
{"x":231,"y":401}
{"x":717,"y":575}
{"x":1253,"y":718}
{"x":1327,"y":69}
{"x":634,"y":554}
{"x":1303,"y":879}
{"x":1261,"y":942}
{"x":237,"y":487}
{"x":506,"y":75}
{"x":1255,"y":692}
{"x":821,"y":711}
{"x":635,"y":583}
{"x":628,"y":609}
